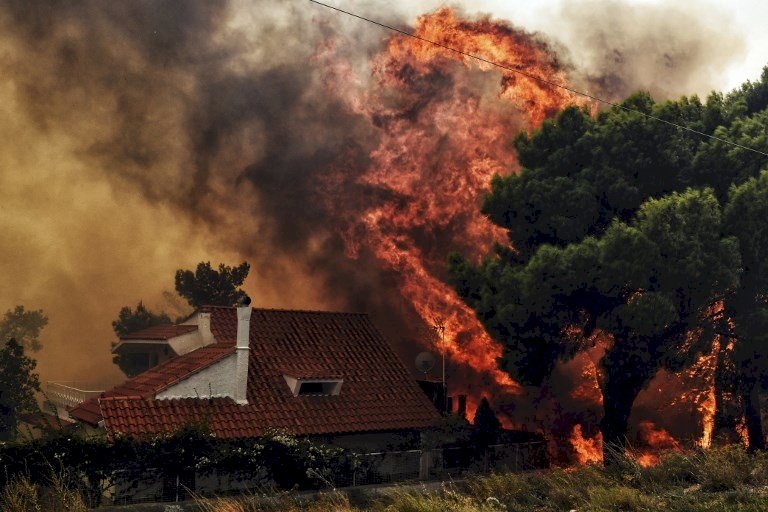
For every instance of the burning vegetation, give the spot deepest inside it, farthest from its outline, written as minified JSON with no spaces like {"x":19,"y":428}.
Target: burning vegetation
{"x":441,"y":141}
{"x":349,"y":168}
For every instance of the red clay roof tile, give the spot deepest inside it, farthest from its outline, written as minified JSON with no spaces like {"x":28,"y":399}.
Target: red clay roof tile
{"x":378,"y":392}
{"x":156,"y":379}
{"x":159,"y":332}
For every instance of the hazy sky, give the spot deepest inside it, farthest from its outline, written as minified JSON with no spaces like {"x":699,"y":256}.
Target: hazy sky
{"x":747,"y":17}
{"x":126,"y":129}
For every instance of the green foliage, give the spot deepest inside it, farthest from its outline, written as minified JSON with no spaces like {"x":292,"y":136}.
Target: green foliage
{"x":93,"y":463}
{"x":208,"y":286}
{"x":718,"y":164}
{"x":615,"y":226}
{"x":745,"y":217}
{"x":724,"y":479}
{"x":750,"y":98}
{"x":129,"y":321}
{"x":653,"y":277}
{"x":579,"y":173}
{"x":18,"y":384}
{"x":23,"y":326}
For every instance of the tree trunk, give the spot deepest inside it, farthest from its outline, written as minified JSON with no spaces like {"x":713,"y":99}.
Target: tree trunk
{"x":752,"y":417}
{"x":727,"y":409}
{"x":619,"y":393}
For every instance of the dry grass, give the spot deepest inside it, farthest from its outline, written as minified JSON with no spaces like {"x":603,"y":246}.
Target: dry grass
{"x":718,"y":480}
{"x":21,"y":495}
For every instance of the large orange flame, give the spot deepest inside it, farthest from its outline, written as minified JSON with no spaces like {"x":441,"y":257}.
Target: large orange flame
{"x":699,"y":386}
{"x":587,"y":450}
{"x":443,"y":135}
{"x":653,"y":440}
{"x":443,"y":124}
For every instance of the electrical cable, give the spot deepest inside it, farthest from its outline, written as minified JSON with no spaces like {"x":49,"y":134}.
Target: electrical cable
{"x":534,"y":77}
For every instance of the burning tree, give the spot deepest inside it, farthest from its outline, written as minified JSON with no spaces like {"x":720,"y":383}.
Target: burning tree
{"x":592,"y":257}
{"x":745,"y":217}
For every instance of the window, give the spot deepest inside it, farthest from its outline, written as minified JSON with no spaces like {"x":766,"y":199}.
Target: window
{"x":312,"y":388}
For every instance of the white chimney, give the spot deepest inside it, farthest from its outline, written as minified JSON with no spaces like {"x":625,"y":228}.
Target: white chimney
{"x":204,"y":327}
{"x":241,"y":371}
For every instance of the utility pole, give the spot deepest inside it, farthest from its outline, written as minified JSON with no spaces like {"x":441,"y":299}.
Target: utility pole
{"x":440,"y":329}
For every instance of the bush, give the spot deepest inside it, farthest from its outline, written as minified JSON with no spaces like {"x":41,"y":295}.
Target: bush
{"x":730,"y":468}
{"x":92,"y":465}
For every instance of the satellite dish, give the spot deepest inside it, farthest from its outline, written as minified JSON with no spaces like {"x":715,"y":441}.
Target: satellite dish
{"x":425,"y":361}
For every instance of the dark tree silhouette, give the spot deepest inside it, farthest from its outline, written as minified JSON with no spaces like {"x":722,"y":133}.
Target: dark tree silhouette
{"x":745,"y":217}
{"x":208,"y":286}
{"x":18,"y":385}
{"x":592,"y":255}
{"x":23,"y":326}
{"x":128,"y":321}
{"x":486,"y":426}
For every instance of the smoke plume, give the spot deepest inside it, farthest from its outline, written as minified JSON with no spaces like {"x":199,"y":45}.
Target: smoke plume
{"x":145,"y":136}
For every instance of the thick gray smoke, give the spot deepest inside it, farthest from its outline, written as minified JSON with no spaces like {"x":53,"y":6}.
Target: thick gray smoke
{"x":671,"y":50}
{"x":140,"y":137}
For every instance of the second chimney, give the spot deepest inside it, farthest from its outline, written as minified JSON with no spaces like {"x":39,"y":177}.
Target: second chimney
{"x":241,"y":371}
{"x":461,"y":408}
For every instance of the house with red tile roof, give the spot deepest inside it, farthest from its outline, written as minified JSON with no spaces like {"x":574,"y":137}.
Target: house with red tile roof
{"x":149,"y":347}
{"x":244,"y":371}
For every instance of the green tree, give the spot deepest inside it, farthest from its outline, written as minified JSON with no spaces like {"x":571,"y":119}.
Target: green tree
{"x":643,"y":285}
{"x":745,"y":218}
{"x":208,"y":286}
{"x":486,"y":425}
{"x":128,"y":321}
{"x":23,"y":326}
{"x":18,"y":385}
{"x":590,"y":255}
{"x":750,"y":98}
{"x":719,"y":165}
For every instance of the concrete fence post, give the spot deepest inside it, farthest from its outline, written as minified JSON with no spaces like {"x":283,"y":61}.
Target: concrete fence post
{"x":425,"y":463}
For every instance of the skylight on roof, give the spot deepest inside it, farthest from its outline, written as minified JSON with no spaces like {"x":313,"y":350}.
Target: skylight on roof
{"x":313,"y":387}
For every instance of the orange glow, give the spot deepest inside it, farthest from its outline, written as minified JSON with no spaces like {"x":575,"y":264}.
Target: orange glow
{"x":647,"y":459}
{"x":587,"y":450}
{"x":741,"y":429}
{"x":653,"y":440}
{"x":699,"y":385}
{"x":588,"y":387}
{"x":442,"y":136}
{"x":442,"y":125}
{"x":707,"y":409}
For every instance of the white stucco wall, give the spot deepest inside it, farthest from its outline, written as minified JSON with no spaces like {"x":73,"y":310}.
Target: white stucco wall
{"x":203,"y":322}
{"x":186,"y":342}
{"x":216,"y":380}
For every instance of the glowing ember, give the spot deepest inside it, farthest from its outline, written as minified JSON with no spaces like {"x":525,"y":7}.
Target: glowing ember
{"x":587,"y":450}
{"x":443,"y":133}
{"x":442,"y":125}
{"x":707,"y":409}
{"x":699,"y":385}
{"x":588,"y":387}
{"x":741,"y":430}
{"x":653,"y":440}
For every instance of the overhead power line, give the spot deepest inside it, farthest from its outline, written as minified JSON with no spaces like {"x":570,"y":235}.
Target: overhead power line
{"x":539,"y":79}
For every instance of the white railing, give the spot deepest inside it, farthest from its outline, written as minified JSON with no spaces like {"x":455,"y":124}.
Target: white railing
{"x":65,"y":395}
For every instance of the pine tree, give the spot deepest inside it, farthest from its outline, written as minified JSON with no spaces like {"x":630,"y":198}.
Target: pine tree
{"x":207,"y":286}
{"x":18,"y":385}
